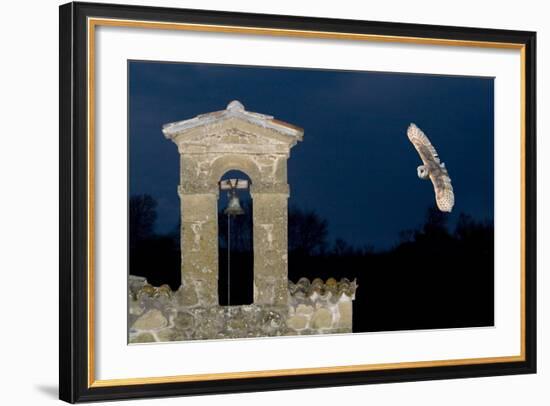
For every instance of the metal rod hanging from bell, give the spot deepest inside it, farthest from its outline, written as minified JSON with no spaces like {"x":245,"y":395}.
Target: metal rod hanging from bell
{"x":233,"y":209}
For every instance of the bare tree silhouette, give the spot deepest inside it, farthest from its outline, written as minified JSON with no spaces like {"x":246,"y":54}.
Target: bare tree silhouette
{"x":142,"y":217}
{"x":307,"y":232}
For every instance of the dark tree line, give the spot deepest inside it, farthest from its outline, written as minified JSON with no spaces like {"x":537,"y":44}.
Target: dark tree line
{"x":434,"y":277}
{"x":155,"y":256}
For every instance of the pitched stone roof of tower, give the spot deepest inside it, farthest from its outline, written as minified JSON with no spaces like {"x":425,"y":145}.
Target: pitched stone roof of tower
{"x":235,"y":109}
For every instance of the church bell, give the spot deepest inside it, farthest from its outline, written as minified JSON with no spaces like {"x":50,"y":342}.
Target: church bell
{"x":233,"y":205}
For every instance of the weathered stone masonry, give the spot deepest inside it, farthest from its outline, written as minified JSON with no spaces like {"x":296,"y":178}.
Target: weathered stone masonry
{"x":209,"y":146}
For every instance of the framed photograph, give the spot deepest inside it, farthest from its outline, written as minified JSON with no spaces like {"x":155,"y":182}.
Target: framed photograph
{"x":257,"y":202}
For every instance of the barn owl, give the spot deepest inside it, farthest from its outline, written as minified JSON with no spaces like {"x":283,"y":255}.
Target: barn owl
{"x":433,"y":168}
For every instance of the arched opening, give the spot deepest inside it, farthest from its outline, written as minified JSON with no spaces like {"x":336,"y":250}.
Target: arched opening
{"x":235,"y":244}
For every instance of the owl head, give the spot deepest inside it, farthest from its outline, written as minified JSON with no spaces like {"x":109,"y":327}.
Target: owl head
{"x":422,"y":172}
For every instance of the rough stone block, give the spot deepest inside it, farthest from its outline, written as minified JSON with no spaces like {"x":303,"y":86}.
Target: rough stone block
{"x":346,"y":317}
{"x":186,"y":295}
{"x":322,"y":319}
{"x":152,"y":320}
{"x":184,"y":321}
{"x":304,"y":310}
{"x":298,"y":322}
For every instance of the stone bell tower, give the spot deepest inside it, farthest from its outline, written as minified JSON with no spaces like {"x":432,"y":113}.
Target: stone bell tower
{"x":210,"y":145}
{"x":259,"y":145}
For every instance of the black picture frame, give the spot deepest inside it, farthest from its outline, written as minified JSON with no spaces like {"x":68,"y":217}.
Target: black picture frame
{"x":74,"y":200}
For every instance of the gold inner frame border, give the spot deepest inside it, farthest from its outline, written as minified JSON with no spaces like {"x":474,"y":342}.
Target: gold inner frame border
{"x":94,"y":22}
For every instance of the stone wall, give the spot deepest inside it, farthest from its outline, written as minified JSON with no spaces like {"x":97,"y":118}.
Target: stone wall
{"x":158,"y":314}
{"x":320,"y":307}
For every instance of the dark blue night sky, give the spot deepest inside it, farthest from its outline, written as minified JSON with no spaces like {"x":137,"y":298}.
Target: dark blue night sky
{"x":355,"y":166}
